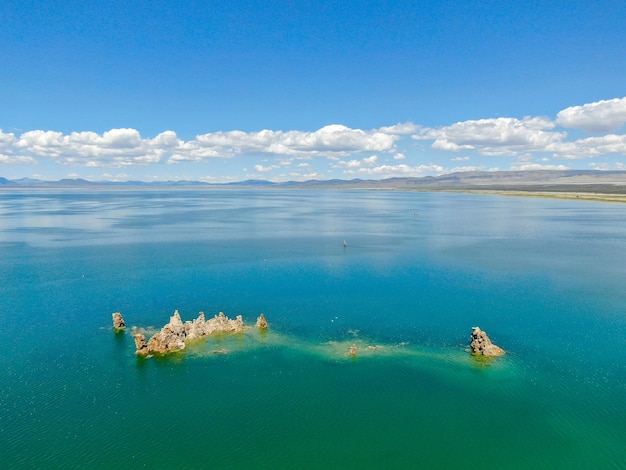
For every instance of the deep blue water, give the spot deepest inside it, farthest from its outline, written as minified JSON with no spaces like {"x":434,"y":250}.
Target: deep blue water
{"x":545,"y":278}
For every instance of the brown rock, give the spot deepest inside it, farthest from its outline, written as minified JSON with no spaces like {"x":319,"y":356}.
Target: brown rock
{"x":170,"y":338}
{"x":352,"y":350}
{"x":140,"y":344}
{"x":261,"y":322}
{"x":174,"y":334}
{"x":118,"y":321}
{"x":481,"y":344}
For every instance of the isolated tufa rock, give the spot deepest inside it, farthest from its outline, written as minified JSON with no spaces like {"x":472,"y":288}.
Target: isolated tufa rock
{"x":261,"y":322}
{"x":174,"y":334}
{"x":481,"y":344}
{"x":118,"y":321}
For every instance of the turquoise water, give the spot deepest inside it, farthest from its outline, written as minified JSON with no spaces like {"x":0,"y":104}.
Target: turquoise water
{"x":545,"y":279}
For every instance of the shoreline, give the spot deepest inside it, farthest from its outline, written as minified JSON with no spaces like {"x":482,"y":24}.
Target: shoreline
{"x":569,"y":195}
{"x":546,"y":194}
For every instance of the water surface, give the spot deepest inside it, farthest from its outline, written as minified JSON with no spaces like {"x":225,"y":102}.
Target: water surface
{"x":543,"y":277}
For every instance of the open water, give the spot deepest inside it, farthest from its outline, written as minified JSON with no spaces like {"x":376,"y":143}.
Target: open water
{"x":544,"y":278}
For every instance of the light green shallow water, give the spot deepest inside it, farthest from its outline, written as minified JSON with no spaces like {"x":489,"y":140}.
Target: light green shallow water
{"x":546,"y":284}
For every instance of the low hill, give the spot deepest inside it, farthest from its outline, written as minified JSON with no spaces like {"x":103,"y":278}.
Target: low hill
{"x":584,"y":181}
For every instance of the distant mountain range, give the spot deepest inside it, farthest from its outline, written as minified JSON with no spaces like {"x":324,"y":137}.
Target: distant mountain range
{"x":540,"y":180}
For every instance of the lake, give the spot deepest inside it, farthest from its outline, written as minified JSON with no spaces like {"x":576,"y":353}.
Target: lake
{"x":543,"y":277}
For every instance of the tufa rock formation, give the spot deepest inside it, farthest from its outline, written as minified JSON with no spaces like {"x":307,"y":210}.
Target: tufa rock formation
{"x":173,"y":335}
{"x":261,"y":322}
{"x":140,"y":344}
{"x":118,"y":321}
{"x":481,"y":344}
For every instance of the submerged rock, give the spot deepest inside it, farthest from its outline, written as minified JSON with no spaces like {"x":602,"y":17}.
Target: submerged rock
{"x":261,"y":322}
{"x":118,"y":321}
{"x":352,"y":350}
{"x":481,"y":344}
{"x":174,"y":334}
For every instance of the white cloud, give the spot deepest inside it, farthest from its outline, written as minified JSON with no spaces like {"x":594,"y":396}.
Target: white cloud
{"x":496,"y":137}
{"x":294,"y":176}
{"x":16,"y":160}
{"x":460,"y":159}
{"x":590,"y":147}
{"x":404,"y":128}
{"x":461,"y":169}
{"x":536,"y":166}
{"x":167,"y":139}
{"x":191,"y":152}
{"x":120,"y":138}
{"x":114,"y":148}
{"x":356,"y":164}
{"x":369,"y":161}
{"x":600,"y":166}
{"x":333,"y":141}
{"x":399,"y":156}
{"x":289,"y":161}
{"x":600,"y":116}
{"x":7,"y":156}
{"x":6,"y":139}
{"x":389,"y":171}
{"x":42,"y":143}
{"x":264,"y":169}
{"x":117,"y":177}
{"x":525,"y":158}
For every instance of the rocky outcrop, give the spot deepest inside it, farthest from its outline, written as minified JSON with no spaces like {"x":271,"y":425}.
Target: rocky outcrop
{"x":261,"y":322}
{"x":140,"y":344}
{"x":481,"y":344}
{"x":174,"y":334}
{"x":118,"y":321}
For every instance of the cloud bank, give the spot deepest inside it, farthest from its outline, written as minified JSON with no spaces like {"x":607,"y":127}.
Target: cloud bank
{"x":333,"y":140}
{"x":126,"y":147}
{"x":538,"y":135}
{"x":501,"y":136}
{"x":530,"y":142}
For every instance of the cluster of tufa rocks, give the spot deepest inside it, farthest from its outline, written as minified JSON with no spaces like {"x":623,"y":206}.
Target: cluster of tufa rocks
{"x":481,"y":344}
{"x":174,"y":334}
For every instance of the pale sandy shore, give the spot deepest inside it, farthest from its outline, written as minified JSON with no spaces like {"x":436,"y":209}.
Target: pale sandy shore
{"x":548,"y":194}
{"x":587,"y":190}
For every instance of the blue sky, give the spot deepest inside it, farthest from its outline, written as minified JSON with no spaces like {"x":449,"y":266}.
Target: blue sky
{"x":225,"y":91}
